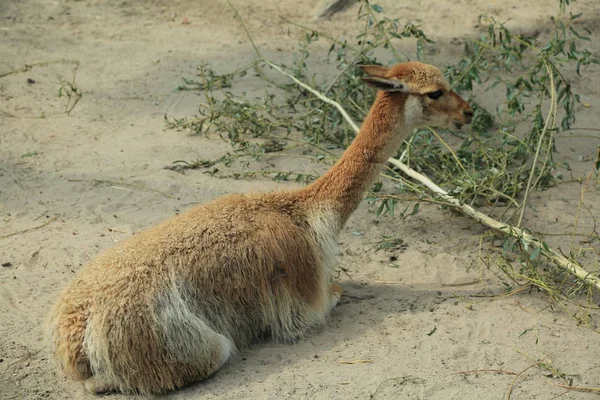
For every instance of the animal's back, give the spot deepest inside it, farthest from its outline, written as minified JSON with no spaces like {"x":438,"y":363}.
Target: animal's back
{"x":216,"y":277}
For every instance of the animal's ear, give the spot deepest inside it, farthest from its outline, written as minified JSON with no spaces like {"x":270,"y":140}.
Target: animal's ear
{"x":385,"y":84}
{"x":375,"y":70}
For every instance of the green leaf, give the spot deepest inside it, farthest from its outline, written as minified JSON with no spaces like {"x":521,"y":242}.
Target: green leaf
{"x":415,"y":209}
{"x":574,"y":32}
{"x":535,"y":253}
{"x":380,"y":209}
{"x":377,"y":8}
{"x":525,"y":331}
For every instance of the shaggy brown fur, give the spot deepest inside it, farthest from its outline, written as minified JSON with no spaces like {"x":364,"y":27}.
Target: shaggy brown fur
{"x":169,"y":306}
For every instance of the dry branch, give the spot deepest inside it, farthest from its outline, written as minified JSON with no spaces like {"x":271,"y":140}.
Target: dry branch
{"x":48,"y":222}
{"x":476,"y":371}
{"x":120,"y":183}
{"x":518,"y":233}
{"x":573,"y":267}
{"x":28,"y":67}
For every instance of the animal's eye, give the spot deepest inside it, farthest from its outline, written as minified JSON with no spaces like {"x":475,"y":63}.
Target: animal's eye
{"x":435,"y":95}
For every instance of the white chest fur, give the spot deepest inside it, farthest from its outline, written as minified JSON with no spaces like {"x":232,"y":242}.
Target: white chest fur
{"x":325,"y":225}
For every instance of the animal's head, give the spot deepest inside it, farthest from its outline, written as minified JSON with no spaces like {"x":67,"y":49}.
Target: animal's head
{"x":428,"y":99}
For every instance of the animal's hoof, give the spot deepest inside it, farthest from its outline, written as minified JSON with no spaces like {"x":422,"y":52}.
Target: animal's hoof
{"x":336,"y":290}
{"x":96,"y":385}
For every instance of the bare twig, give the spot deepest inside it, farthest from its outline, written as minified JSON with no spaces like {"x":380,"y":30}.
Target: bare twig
{"x":579,"y":205}
{"x":579,"y":388}
{"x":514,"y":382}
{"x":28,"y":67}
{"x":356,"y":362}
{"x":551,"y":112}
{"x":237,"y":15}
{"x":476,"y":371}
{"x":317,"y":94}
{"x":30,"y":229}
{"x":134,"y":185}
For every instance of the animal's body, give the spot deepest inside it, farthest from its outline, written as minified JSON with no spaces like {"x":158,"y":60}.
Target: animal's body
{"x":169,"y":306}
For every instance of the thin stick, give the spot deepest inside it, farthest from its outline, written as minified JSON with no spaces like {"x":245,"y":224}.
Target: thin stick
{"x":30,"y":229}
{"x":27,"y":67}
{"x":573,"y":267}
{"x":514,"y":382}
{"x":447,"y":146}
{"x":239,"y":17}
{"x":322,"y":34}
{"x":462,"y":76}
{"x":586,"y":129}
{"x":134,"y":185}
{"x":579,"y":388}
{"x":576,"y":222}
{"x":528,"y":188}
{"x":578,"y":136}
{"x":475,"y":371}
{"x":316,"y":93}
{"x":356,"y":362}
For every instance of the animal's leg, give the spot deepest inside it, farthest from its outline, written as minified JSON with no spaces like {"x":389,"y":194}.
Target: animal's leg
{"x":98,"y":385}
{"x":224,"y":351}
{"x":335,"y":293}
{"x":179,"y":374}
{"x":207,"y":366}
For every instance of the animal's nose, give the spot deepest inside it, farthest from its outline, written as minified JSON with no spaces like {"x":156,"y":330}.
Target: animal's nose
{"x":468,"y":114}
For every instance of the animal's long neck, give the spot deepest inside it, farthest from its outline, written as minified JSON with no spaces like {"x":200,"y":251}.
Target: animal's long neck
{"x":341,"y":189}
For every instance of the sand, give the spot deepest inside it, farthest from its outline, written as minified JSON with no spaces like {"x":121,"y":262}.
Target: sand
{"x":403,"y":329}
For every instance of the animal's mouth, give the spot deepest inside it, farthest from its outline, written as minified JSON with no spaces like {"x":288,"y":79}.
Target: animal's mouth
{"x":459,"y":124}
{"x":463,"y":118}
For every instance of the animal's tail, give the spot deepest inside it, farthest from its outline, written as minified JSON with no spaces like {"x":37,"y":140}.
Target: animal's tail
{"x":65,"y":332}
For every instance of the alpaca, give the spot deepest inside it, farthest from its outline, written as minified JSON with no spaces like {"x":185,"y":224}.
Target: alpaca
{"x":169,"y":306}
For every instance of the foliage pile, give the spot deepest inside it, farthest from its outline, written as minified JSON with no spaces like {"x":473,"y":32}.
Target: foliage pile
{"x":507,"y":152}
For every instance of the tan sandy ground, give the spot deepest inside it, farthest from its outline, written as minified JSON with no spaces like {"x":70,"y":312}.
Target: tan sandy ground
{"x":405,"y":321}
